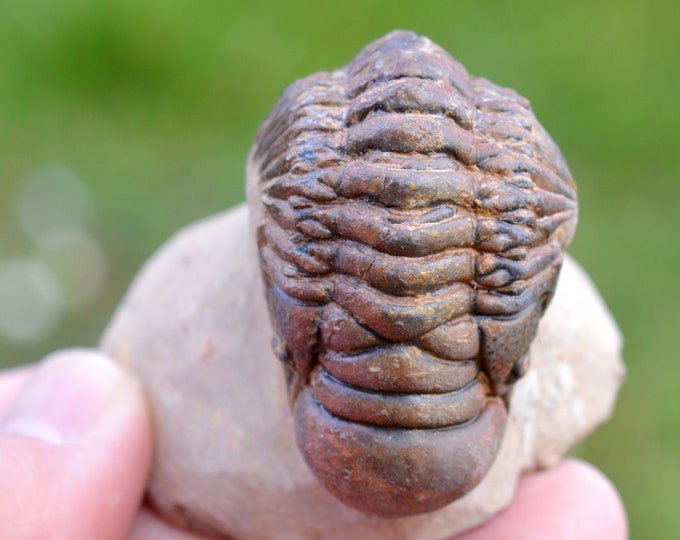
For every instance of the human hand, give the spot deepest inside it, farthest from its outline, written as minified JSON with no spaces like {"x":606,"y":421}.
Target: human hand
{"x":75,"y":453}
{"x":573,"y":501}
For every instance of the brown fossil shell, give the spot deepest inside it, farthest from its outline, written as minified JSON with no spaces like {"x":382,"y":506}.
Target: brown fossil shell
{"x":413,"y":224}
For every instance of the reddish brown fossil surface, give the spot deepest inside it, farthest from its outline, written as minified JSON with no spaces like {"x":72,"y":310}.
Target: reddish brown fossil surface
{"x":413,"y":226}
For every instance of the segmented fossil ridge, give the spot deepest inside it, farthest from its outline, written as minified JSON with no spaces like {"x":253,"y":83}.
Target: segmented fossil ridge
{"x":414,"y":223}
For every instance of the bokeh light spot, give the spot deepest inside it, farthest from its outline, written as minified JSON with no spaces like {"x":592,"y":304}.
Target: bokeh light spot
{"x":52,"y":197}
{"x":77,"y":260}
{"x":30,"y":301}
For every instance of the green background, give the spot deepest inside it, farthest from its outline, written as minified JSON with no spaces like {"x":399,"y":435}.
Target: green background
{"x":154,"y":105}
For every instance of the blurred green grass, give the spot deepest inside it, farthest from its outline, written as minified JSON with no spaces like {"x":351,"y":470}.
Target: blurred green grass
{"x":154,"y":104}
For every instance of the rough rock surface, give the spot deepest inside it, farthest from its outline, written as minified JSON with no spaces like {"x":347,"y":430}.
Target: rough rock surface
{"x":194,"y":327}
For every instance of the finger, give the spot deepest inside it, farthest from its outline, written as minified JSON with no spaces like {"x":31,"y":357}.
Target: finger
{"x":74,"y":452}
{"x":148,"y":526}
{"x":11,"y":382}
{"x":572,"y":501}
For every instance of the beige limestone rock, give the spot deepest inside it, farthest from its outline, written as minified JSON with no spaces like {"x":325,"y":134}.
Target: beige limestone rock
{"x":195,"y":329}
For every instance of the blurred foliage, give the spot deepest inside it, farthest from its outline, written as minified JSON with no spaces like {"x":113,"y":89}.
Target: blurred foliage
{"x":154,"y":105}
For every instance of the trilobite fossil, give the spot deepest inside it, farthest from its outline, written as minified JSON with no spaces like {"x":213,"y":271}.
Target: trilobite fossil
{"x":413,"y":223}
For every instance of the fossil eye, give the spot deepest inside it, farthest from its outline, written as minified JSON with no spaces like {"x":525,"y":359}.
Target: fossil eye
{"x":414,"y":220}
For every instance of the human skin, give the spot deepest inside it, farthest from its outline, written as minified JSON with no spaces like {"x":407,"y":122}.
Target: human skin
{"x":75,"y":455}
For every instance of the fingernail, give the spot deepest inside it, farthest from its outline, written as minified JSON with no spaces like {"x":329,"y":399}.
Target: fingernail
{"x":65,"y":399}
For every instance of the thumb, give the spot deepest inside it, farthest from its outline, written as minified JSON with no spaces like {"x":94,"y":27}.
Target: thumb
{"x":75,"y":450}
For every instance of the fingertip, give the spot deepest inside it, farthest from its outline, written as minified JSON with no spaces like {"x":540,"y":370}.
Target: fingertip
{"x":571,"y":501}
{"x":72,"y":395}
{"x":76,"y":447}
{"x":600,"y":501}
{"x":12,"y":381}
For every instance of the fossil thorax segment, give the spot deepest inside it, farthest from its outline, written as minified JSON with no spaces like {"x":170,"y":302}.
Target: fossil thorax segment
{"x":413,"y":225}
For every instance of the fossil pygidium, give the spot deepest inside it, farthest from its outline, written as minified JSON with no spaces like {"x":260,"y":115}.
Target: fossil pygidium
{"x":413,"y":224}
